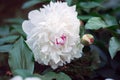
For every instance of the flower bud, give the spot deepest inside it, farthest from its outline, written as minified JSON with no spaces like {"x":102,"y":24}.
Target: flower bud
{"x":87,"y":39}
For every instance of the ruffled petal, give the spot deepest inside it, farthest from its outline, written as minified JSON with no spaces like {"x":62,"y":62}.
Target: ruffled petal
{"x":36,"y":17}
{"x":27,"y":26}
{"x":55,"y":57}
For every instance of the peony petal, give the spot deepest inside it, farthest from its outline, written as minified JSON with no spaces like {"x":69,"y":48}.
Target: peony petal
{"x":27,"y":26}
{"x":55,"y":57}
{"x":36,"y":17}
{"x":73,"y":7}
{"x":17,"y":78}
{"x":44,"y":48}
{"x":33,"y":14}
{"x":32,"y":78}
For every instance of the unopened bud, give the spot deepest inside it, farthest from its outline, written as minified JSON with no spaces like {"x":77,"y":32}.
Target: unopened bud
{"x":87,"y":39}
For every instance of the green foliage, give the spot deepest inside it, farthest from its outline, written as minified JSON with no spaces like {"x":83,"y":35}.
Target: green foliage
{"x":5,"y":48}
{"x":22,"y":72}
{"x":4,"y":30}
{"x":114,"y":46}
{"x":110,"y":20}
{"x":20,"y":57}
{"x":14,"y":20}
{"x":18,"y":29}
{"x":84,"y":17}
{"x":95,"y":23}
{"x":52,"y":76}
{"x":89,"y":5}
{"x":31,"y":3}
{"x":69,"y":2}
{"x":8,"y":39}
{"x":86,"y":6}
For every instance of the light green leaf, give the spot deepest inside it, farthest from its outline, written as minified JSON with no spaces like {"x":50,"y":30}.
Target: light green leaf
{"x":95,"y":23}
{"x":8,"y":39}
{"x":21,"y":57}
{"x":114,"y":46}
{"x":31,"y":3}
{"x":5,"y":48}
{"x":56,"y":76}
{"x":22,"y":72}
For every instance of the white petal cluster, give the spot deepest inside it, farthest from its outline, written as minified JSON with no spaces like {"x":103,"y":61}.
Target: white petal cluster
{"x":53,"y":34}
{"x":109,"y":79}
{"x":28,"y":78}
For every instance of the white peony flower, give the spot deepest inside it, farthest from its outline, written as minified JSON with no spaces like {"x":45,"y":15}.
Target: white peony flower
{"x":32,"y":78}
{"x":28,"y":78}
{"x":17,"y":78}
{"x":109,"y":79}
{"x":53,"y":34}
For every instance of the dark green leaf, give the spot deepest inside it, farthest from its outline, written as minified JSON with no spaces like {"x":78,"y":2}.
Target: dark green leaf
{"x":20,"y":57}
{"x":86,"y":17}
{"x":89,"y":5}
{"x":4,"y":30}
{"x":8,"y":39}
{"x":95,"y":23}
{"x":111,"y":21}
{"x":5,"y":48}
{"x":19,"y":29}
{"x":14,"y":20}
{"x":52,"y":76}
{"x":114,"y":46}
{"x":69,"y":2}
{"x":86,"y":6}
{"x":31,"y":3}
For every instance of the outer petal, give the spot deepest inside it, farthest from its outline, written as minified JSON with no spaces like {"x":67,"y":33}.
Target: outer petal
{"x":32,"y":78}
{"x":27,"y":26}
{"x":36,"y":17}
{"x":17,"y":78}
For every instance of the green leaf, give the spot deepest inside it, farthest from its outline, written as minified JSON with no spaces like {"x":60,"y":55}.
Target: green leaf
{"x":86,"y":6}
{"x":14,"y":20}
{"x":58,"y":76}
{"x":89,"y":5}
{"x":21,"y":57}
{"x":5,"y":48}
{"x":22,"y":72}
{"x":8,"y":39}
{"x":4,"y":30}
{"x":19,"y":29}
{"x":69,"y":2}
{"x":110,"y":20}
{"x":95,"y":23}
{"x":114,"y":46}
{"x":84,"y":17}
{"x":31,"y":3}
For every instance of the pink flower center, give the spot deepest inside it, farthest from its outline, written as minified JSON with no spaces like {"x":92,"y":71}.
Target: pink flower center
{"x":61,"y":40}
